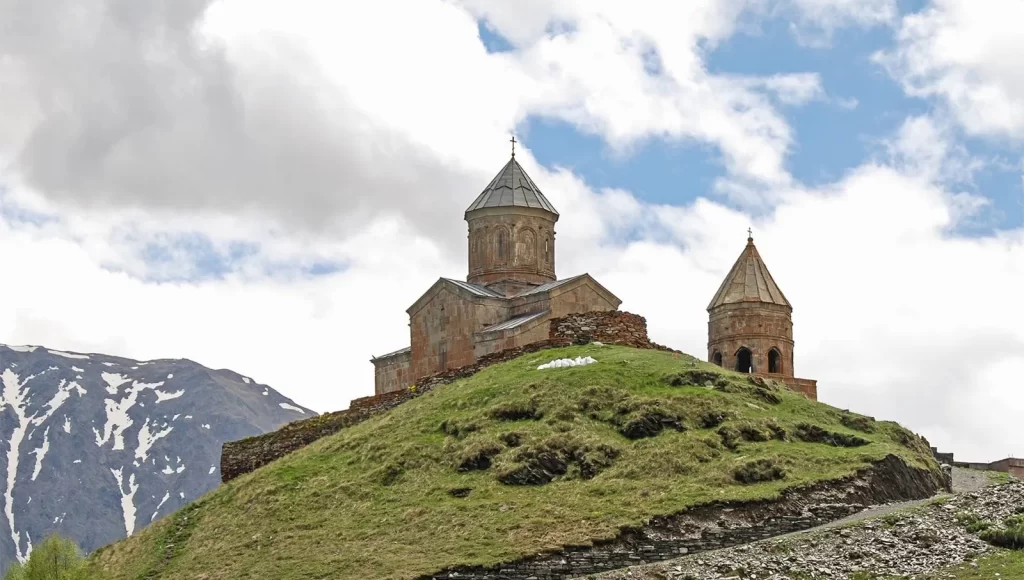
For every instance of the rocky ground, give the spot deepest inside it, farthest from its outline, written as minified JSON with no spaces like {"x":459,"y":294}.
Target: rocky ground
{"x":900,"y":540}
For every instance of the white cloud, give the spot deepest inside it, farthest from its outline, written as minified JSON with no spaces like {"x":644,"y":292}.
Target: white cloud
{"x":895,"y":316}
{"x":965,"y":53}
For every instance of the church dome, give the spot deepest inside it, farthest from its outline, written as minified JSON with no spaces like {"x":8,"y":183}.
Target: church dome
{"x":511,"y":187}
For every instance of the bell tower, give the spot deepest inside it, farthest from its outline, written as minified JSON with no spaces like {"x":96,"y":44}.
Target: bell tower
{"x":511,"y":233}
{"x":750,"y":326}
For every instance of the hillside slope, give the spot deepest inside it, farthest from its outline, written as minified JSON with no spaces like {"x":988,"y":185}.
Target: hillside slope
{"x":97,"y":447}
{"x":508,"y":462}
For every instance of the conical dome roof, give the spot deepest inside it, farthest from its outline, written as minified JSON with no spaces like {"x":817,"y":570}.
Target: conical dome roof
{"x":748,"y":281}
{"x":512,"y":187}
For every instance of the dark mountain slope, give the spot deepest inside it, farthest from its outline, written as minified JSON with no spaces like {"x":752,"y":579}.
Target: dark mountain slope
{"x":96,"y":447}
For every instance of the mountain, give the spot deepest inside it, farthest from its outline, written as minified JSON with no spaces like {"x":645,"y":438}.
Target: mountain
{"x":95,"y":447}
{"x":528,"y":469}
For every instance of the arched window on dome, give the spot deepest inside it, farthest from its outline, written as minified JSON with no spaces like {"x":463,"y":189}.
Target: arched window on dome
{"x":744,"y":360}
{"x":502,"y":249}
{"x":717,"y":358}
{"x":774,"y":361}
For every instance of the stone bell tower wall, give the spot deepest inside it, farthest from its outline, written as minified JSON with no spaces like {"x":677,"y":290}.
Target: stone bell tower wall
{"x":508,"y":243}
{"x":755,"y":325}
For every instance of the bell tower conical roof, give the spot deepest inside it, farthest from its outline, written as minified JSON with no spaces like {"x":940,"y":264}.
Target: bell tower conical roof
{"x":512,"y":187}
{"x":749,"y":281}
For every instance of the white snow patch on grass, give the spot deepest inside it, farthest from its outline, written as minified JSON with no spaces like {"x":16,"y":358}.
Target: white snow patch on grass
{"x":567,"y":362}
{"x":77,"y":461}
{"x":127,"y":498}
{"x":67,"y":424}
{"x":265,"y":393}
{"x":170,"y":375}
{"x":162,"y":396}
{"x":246,"y":379}
{"x":22,"y":348}
{"x":206,"y":425}
{"x":40,"y":453}
{"x":68,"y":354}
{"x":77,"y":370}
{"x":147,"y":438}
{"x":289,"y":407}
{"x":212,"y":469}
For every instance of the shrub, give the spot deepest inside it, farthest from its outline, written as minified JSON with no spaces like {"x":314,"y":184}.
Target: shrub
{"x":759,"y":470}
{"x":815,"y":434}
{"x":56,"y":558}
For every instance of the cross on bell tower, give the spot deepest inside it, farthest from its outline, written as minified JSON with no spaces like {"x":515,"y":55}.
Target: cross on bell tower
{"x":513,"y":145}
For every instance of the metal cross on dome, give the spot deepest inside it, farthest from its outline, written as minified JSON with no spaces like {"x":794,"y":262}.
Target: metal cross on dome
{"x":513,"y":145}
{"x":750,"y":233}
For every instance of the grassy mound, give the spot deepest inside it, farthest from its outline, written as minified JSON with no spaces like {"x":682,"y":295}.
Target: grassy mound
{"x":509,"y":462}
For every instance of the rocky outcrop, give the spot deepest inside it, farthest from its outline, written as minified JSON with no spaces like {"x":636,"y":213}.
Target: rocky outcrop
{"x":720,"y":525}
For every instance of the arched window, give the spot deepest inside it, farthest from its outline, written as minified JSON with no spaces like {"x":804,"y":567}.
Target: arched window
{"x":744,"y":360}
{"x":502,"y":242}
{"x":717,"y":359}
{"x":774,"y":361}
{"x":547,"y":249}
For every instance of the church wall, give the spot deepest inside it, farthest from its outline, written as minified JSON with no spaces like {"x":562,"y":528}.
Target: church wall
{"x":534,"y":331}
{"x":392,"y":373}
{"x":441,"y":332}
{"x":511,"y":245}
{"x":577,"y":300}
{"x":757,"y":326}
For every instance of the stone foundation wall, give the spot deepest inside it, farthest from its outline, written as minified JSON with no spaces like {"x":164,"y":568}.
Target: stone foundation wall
{"x":241,"y":457}
{"x":719,"y":525}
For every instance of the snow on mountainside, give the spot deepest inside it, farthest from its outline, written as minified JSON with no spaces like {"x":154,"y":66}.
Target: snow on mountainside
{"x":96,"y":447}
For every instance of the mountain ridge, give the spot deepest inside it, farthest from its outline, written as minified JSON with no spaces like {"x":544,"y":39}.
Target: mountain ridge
{"x":97,"y":446}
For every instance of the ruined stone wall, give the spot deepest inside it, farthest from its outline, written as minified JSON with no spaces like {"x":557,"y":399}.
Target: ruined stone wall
{"x":610,"y":327}
{"x":392,"y":373}
{"x":759,"y":327}
{"x":719,"y":525}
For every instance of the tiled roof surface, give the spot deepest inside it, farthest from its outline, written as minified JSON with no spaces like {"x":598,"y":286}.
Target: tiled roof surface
{"x":476,"y":289}
{"x":512,"y":187}
{"x":546,"y":287}
{"x":514,"y":322}
{"x":748,"y":281}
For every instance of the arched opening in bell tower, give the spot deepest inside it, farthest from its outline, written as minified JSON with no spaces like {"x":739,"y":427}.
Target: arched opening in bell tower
{"x":774,"y":361}
{"x":744,"y":360}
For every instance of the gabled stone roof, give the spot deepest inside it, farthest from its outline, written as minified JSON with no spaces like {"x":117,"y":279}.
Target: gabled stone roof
{"x":748,"y":281}
{"x":512,"y":187}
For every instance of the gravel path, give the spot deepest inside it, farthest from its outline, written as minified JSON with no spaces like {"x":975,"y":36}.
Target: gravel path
{"x":913,"y":543}
{"x":964,"y":481}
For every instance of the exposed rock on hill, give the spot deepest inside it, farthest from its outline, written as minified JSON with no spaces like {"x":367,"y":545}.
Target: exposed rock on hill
{"x":97,"y":447}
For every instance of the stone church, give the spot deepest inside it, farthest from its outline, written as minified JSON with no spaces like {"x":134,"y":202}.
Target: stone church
{"x":509,"y":295}
{"x":750,"y":324}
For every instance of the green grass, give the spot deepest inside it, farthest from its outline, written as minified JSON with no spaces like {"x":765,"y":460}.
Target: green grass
{"x":388,"y":498}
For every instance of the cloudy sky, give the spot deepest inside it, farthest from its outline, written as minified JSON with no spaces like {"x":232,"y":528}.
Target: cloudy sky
{"x":266,"y":186}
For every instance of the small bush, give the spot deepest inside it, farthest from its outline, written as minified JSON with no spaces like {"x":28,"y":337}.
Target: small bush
{"x":815,"y":434}
{"x":730,"y":437}
{"x":518,"y":411}
{"x":759,"y":470}
{"x":457,"y":429}
{"x":858,"y":422}
{"x":477,"y":457}
{"x":559,"y":455}
{"x":56,"y":557}
{"x":711,"y":419}
{"x":512,"y":439}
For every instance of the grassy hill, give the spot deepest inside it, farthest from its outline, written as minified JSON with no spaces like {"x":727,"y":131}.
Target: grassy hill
{"x":508,"y":462}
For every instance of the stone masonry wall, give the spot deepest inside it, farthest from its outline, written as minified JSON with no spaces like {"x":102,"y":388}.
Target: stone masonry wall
{"x":719,"y":525}
{"x":246,"y":455}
